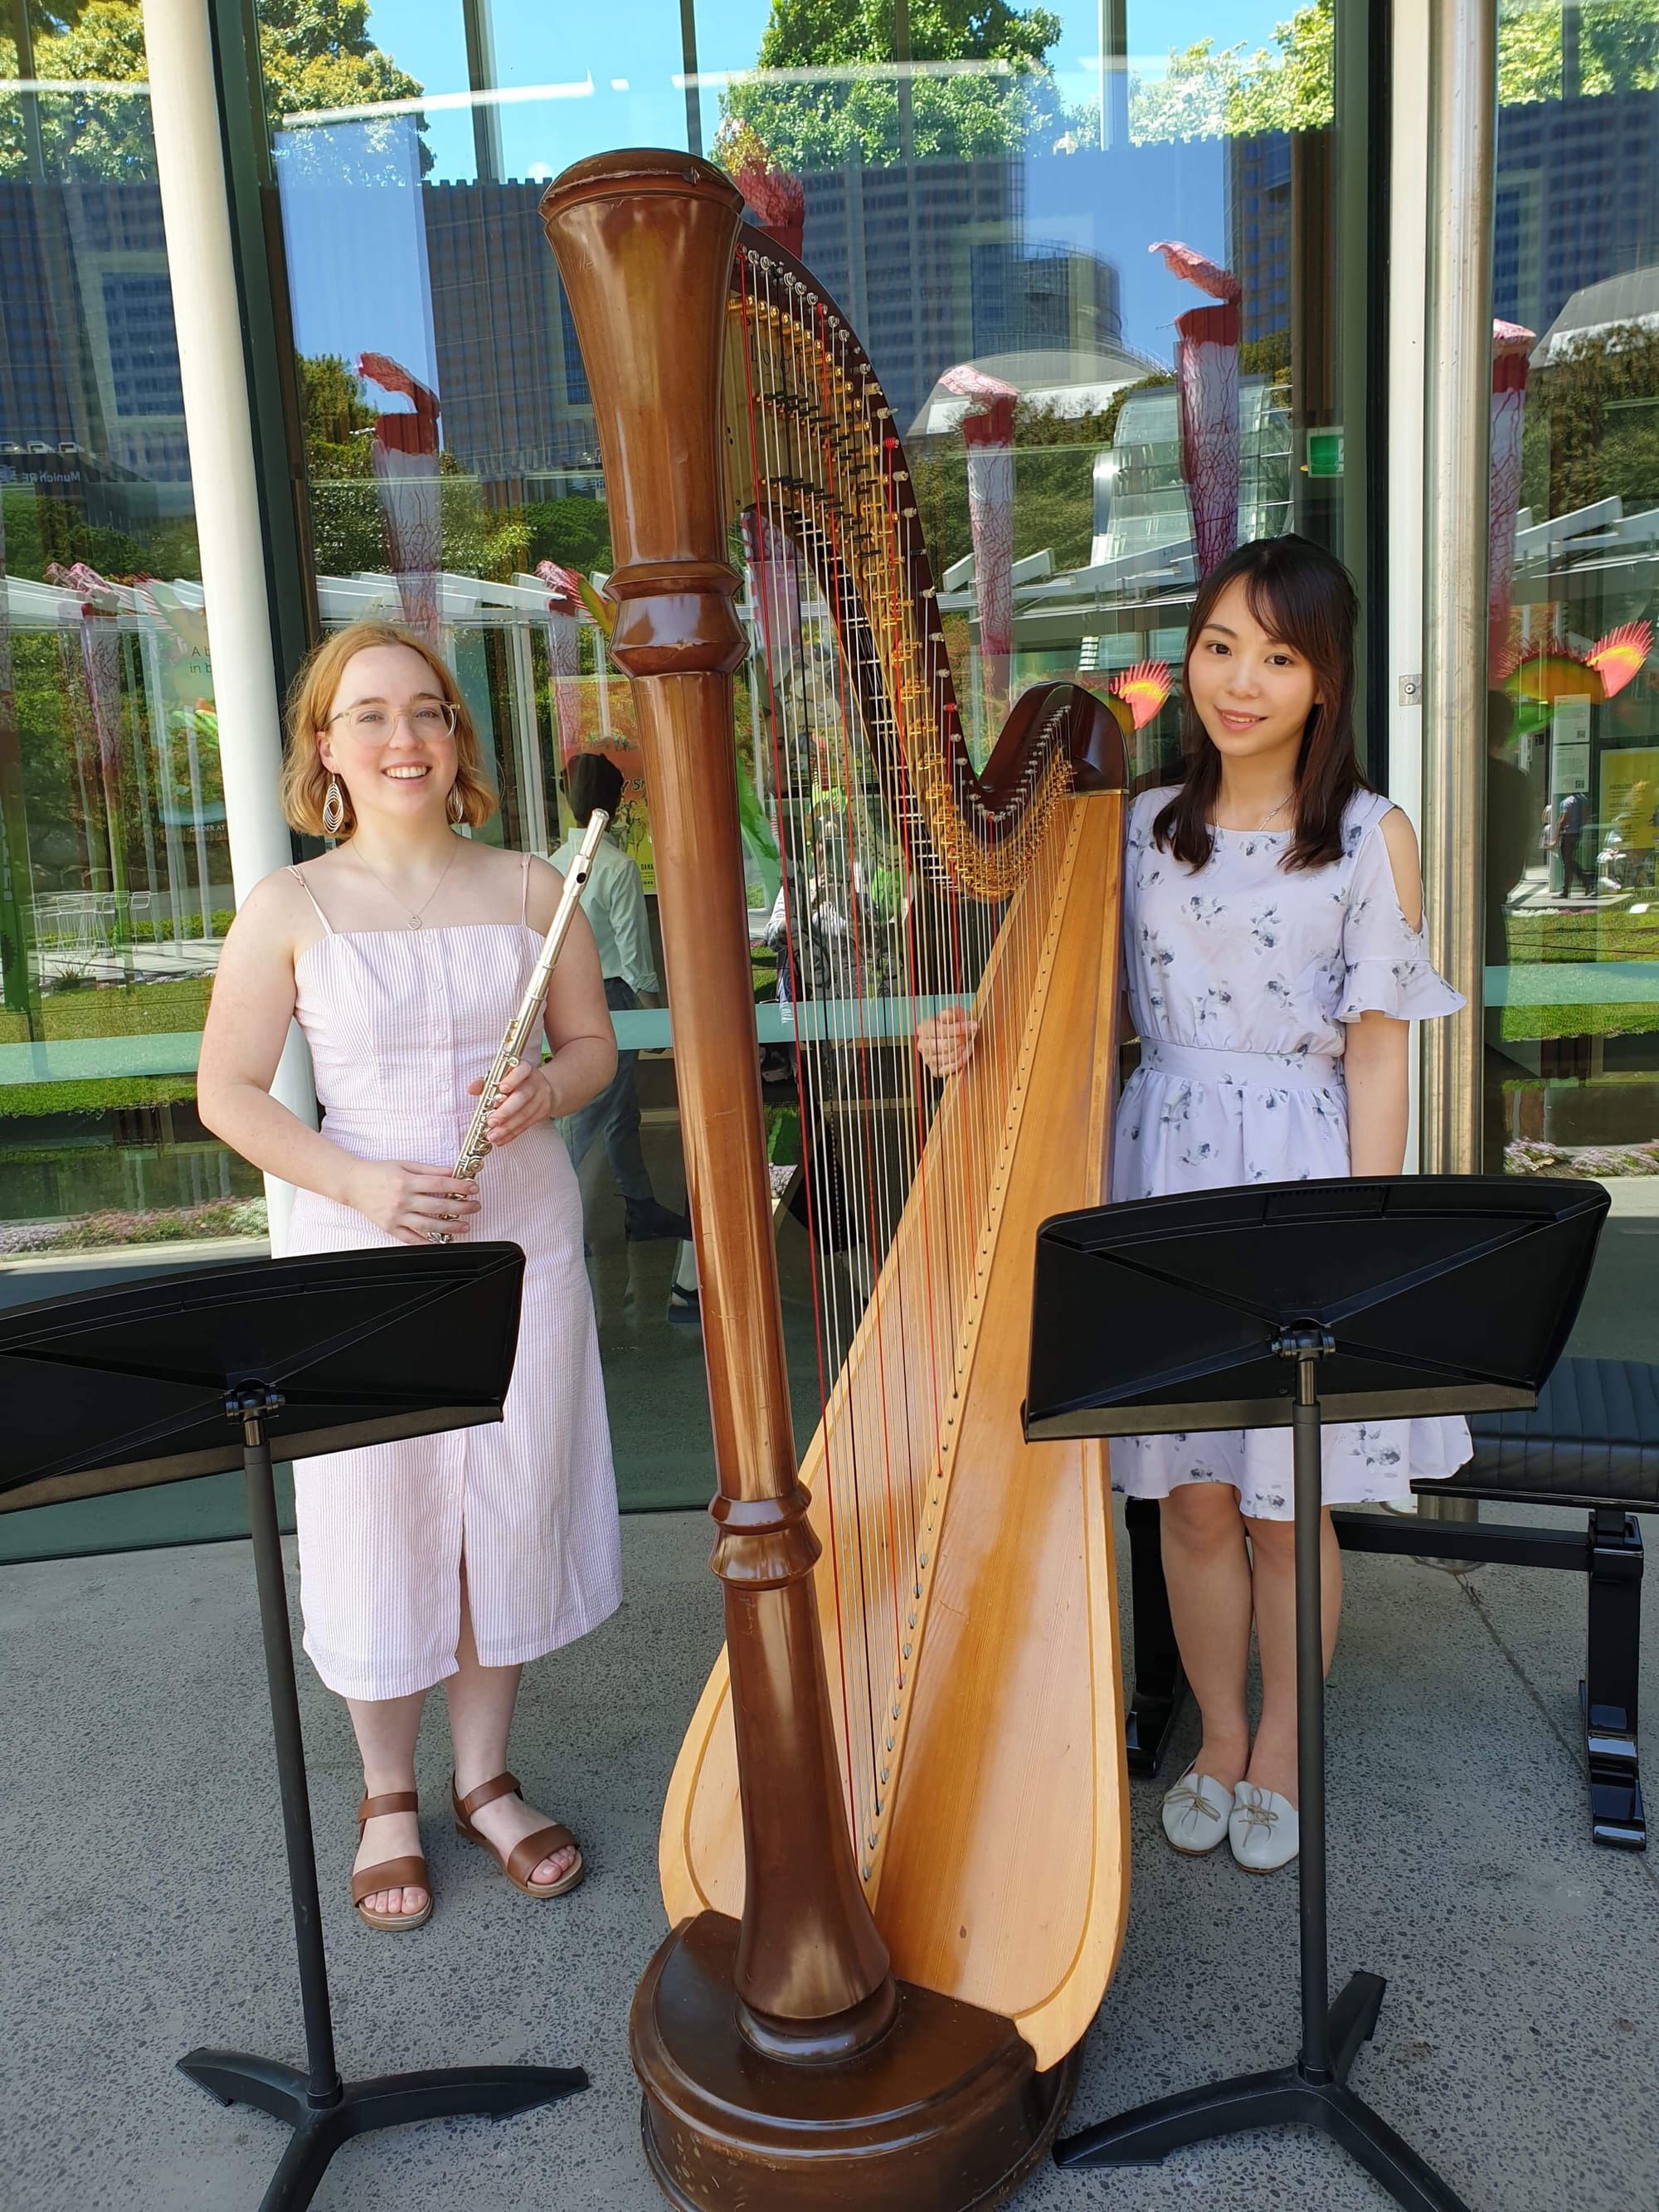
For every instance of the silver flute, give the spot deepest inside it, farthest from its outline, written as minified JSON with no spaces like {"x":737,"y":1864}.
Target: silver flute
{"x":519,"y":1029}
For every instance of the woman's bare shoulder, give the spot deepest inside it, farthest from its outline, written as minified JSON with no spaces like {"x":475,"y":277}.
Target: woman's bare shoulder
{"x":274,"y":922}
{"x":276,"y":902}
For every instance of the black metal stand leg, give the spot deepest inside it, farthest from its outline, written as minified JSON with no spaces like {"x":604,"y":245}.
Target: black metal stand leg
{"x":1314,"y":2092}
{"x":1160,"y":1684}
{"x":1608,"y":1693}
{"x":391,"y":2100}
{"x":323,"y":2111}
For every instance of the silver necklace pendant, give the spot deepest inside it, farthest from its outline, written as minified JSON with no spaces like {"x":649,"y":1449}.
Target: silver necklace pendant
{"x":414,"y":921}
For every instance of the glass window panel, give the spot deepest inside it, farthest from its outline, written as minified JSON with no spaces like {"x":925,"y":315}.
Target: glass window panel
{"x":1083,"y":230}
{"x":114,"y":872}
{"x":1572,"y":984}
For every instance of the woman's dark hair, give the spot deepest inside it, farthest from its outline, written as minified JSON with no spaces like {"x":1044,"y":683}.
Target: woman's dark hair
{"x":1303,"y":596}
{"x":593,"y":781}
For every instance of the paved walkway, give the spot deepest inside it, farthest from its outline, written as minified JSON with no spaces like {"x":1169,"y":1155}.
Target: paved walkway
{"x":142,"y":1912}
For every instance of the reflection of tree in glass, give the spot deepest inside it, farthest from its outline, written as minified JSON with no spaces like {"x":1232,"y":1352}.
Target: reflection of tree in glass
{"x":1618,"y":49}
{"x":1208,"y":91}
{"x":817,"y":122}
{"x":349,"y":528}
{"x":1592,"y":424}
{"x":312,"y":53}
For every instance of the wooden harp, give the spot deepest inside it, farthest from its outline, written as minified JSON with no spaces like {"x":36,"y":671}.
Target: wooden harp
{"x":895,"y":1848}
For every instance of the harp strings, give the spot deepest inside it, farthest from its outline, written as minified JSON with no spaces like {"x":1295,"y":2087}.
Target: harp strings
{"x":902,"y":890}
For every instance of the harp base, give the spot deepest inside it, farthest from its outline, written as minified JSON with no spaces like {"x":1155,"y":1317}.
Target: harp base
{"x":946,"y":2113}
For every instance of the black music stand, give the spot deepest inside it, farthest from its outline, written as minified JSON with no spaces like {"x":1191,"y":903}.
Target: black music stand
{"x":207,"y":1371}
{"x":1269,"y":1307}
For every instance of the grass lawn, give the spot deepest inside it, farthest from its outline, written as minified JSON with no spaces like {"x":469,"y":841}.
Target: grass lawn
{"x":98,"y":1010}
{"x":1539,"y":941}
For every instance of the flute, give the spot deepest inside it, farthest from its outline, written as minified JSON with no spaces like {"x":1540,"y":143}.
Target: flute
{"x":476,"y":1143}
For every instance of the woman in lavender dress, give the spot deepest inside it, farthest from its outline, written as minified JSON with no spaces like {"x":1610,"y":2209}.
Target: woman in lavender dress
{"x":1274,"y":953}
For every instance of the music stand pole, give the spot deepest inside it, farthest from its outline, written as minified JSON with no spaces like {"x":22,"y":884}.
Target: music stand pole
{"x":1307,"y":1347}
{"x":323,"y":2110}
{"x":1315,"y":2090}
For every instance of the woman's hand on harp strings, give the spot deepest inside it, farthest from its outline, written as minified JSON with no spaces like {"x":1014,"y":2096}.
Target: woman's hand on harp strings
{"x":527,"y":1096}
{"x":945,"y":1040}
{"x":413,"y":1204}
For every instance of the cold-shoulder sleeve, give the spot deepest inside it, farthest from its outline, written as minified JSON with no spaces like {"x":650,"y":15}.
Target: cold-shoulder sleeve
{"x":1386,"y":961}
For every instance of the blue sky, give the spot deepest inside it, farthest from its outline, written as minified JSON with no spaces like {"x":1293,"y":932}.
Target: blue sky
{"x":615,"y":64}
{"x":603,"y":77}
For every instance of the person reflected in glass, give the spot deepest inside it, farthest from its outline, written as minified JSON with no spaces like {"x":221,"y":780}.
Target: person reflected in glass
{"x":832,"y":949}
{"x":1509,"y":810}
{"x":1274,"y":958}
{"x":614,"y":903}
{"x":402,"y":953}
{"x":1569,"y":826}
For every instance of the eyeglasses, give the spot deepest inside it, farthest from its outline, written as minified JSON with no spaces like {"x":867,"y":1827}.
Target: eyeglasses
{"x":430,"y":719}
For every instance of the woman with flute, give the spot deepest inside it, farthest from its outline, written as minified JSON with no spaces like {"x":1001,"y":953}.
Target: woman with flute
{"x":403,"y":954}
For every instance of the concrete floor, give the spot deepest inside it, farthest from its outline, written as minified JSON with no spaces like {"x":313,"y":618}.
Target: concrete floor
{"x":144,"y":1912}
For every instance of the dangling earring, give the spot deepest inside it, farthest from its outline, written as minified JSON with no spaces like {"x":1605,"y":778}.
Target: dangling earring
{"x":334,"y":808}
{"x":455,"y":806}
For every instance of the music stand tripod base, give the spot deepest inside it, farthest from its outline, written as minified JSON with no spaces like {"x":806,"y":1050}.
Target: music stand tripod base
{"x":1313,"y":2091}
{"x":1387,"y":1296}
{"x":1288,"y":2096}
{"x":388,"y":2100}
{"x":317,"y":1353}
{"x":323,"y":2110}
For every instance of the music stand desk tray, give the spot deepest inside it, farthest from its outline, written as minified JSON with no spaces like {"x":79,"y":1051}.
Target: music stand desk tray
{"x":118,"y":1389}
{"x":1442,"y":1294}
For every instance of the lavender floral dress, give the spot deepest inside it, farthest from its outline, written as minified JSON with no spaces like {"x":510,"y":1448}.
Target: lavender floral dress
{"x":1240,"y":977}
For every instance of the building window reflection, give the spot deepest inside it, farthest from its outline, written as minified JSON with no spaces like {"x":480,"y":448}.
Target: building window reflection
{"x":1573,"y":984}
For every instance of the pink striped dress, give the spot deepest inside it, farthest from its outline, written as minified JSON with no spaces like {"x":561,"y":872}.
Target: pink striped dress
{"x":400,"y":1022}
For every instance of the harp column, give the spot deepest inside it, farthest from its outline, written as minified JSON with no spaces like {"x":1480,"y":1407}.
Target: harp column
{"x":645,"y":245}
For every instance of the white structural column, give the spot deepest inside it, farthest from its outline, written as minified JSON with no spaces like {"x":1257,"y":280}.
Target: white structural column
{"x":218,"y":422}
{"x":1408,"y":186}
{"x":1462,"y":118}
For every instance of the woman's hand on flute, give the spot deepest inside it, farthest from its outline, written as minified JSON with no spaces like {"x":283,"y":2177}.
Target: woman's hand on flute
{"x":413,"y":1204}
{"x":527,"y":1096}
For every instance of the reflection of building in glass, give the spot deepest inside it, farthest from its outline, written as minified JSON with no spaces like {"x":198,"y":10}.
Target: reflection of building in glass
{"x":510,"y":379}
{"x":930,"y":263}
{"x":1576,"y":199}
{"x":1140,"y":500}
{"x":89,"y":394}
{"x":1259,"y":229}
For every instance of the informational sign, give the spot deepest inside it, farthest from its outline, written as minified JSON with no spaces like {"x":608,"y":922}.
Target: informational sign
{"x":1570,"y":747}
{"x":1629,"y":795}
{"x":1324,"y":453}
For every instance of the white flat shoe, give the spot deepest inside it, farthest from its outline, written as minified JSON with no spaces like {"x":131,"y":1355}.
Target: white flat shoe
{"x":1263,"y":1829}
{"x":1196,"y":1814}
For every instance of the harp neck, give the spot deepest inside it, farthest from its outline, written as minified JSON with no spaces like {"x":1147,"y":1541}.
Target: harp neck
{"x":644,"y":242}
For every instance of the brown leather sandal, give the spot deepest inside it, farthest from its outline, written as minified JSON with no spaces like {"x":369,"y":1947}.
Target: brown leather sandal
{"x":529,"y":1852}
{"x":406,"y":1872}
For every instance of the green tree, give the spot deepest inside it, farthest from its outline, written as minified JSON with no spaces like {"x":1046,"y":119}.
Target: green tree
{"x":1618,"y":49}
{"x":348,"y":516}
{"x":1208,"y":91}
{"x":819,"y":122}
{"x":1591,"y":428}
{"x":1212,"y":92}
{"x":312,"y":53}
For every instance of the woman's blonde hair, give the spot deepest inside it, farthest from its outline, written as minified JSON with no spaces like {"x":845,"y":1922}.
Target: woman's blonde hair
{"x":304,"y":781}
